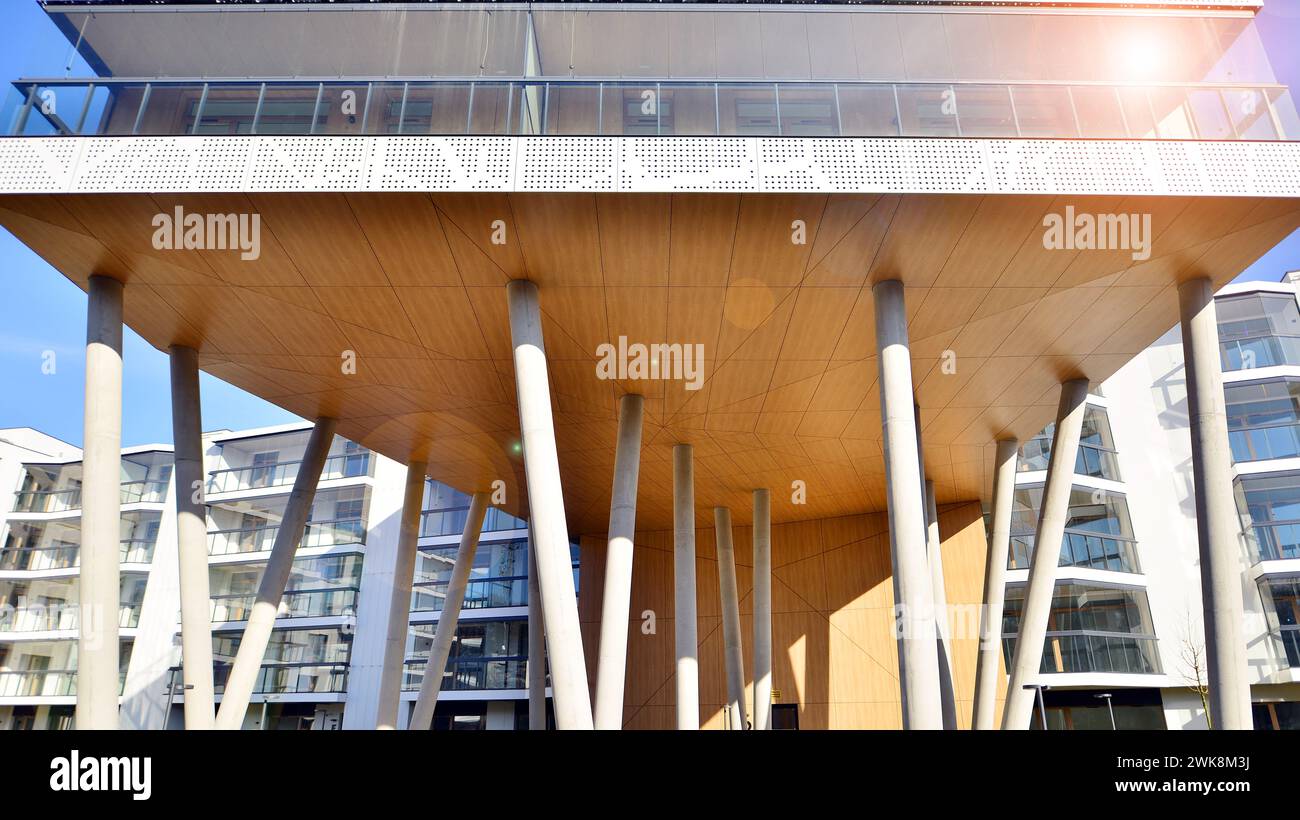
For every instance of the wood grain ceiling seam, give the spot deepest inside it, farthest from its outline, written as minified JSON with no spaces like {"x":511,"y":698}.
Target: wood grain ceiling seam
{"x":604,"y":301}
{"x":380,"y":264}
{"x":1153,"y":240}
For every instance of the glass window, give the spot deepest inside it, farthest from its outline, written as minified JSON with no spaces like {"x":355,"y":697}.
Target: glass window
{"x":1099,"y":112}
{"x":985,"y":111}
{"x":1258,"y":330}
{"x":1262,"y":419}
{"x":1091,"y":628}
{"x":928,"y":110}
{"x":1098,"y":534}
{"x":485,"y":655}
{"x":1097,"y":457}
{"x":1270,"y":515}
{"x":1044,"y":111}
{"x":1281,"y":598}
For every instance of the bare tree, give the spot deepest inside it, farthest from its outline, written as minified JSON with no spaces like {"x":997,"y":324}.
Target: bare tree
{"x":1192,"y":656}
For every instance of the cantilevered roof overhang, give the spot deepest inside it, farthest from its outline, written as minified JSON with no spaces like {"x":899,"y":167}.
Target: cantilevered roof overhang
{"x":398,"y":250}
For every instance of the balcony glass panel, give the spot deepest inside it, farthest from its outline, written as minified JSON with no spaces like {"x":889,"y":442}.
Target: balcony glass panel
{"x":1263,"y":419}
{"x":1258,"y":330}
{"x":317,"y":587}
{"x":667,"y":107}
{"x":485,"y":655}
{"x":296,"y":660}
{"x":1097,"y":457}
{"x":1281,"y":597}
{"x":1099,"y":111}
{"x":1098,"y":534}
{"x":261,"y":538}
{"x":1270,"y":515}
{"x":52,"y":604}
{"x":1090,"y":629}
{"x":282,"y":473}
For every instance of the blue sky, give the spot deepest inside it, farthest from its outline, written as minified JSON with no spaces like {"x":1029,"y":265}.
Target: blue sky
{"x":46,"y":312}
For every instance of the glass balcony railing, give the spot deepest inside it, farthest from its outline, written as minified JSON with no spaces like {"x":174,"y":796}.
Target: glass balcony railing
{"x":1082,"y":549}
{"x":1259,"y":351}
{"x":620,"y":107}
{"x":289,"y":678}
{"x":1273,"y":541}
{"x":1089,"y":651}
{"x":1287,"y":639}
{"x":1094,"y":461}
{"x":451,"y":521}
{"x":296,"y":603}
{"x":428,"y":596}
{"x":471,"y":674}
{"x":65,"y":556}
{"x":1265,"y":442}
{"x":48,"y":501}
{"x":46,"y":683}
{"x":342,"y":532}
{"x":60,"y":616}
{"x":350,"y":465}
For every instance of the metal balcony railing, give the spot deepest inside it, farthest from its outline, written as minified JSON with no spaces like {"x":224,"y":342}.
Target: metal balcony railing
{"x":1080,"y":548}
{"x":618,"y":107}
{"x":288,"y":678}
{"x":45,"y":683}
{"x":58,"y":616}
{"x":471,"y":674}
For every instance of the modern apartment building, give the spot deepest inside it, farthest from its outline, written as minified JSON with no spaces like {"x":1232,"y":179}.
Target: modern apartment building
{"x":765,"y":290}
{"x":319,"y":662}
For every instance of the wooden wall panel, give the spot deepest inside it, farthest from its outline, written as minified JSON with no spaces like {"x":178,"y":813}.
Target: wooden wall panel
{"x":833,"y":648}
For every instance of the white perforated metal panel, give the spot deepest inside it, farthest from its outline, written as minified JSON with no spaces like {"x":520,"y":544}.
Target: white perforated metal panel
{"x":848,"y":165}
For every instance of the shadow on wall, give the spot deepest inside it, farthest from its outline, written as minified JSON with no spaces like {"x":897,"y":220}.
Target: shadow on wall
{"x":833,"y":647}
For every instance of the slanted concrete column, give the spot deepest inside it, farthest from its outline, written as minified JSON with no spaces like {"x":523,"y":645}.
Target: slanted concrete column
{"x":995,"y":587}
{"x":1217,"y":524}
{"x":918,"y":664}
{"x":536,"y":646}
{"x":192,"y":540}
{"x":762,"y":610}
{"x":728,"y":595}
{"x":399,"y":609}
{"x":614,"y":613}
{"x":422,"y":714}
{"x":943,"y":631}
{"x":684,"y":625}
{"x":571,"y":697}
{"x":1037,"y":608}
{"x":101,"y":509}
{"x":257,"y":633}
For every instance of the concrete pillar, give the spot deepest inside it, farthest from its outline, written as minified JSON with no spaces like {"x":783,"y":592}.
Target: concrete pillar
{"x":1037,"y":608}
{"x":762,"y":610}
{"x":257,"y":632}
{"x":399,"y":610}
{"x":913,"y":586}
{"x":536,"y":646}
{"x":684,"y":623}
{"x":934,"y":557}
{"x":995,"y":587}
{"x":422,"y":714}
{"x":943,"y":630}
{"x":101,"y":509}
{"x":614,"y":612}
{"x":192,"y":540}
{"x":569,"y":692}
{"x":1217,"y":524}
{"x":733,"y":654}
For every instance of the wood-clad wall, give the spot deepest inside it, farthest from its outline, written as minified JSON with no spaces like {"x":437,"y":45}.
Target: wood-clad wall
{"x":833,"y":650}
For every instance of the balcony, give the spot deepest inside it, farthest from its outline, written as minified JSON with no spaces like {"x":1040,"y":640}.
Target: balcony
{"x":296,"y":603}
{"x":1273,"y":541}
{"x":288,"y":678}
{"x":428,"y":596}
{"x":46,"y":683}
{"x":471,"y":674}
{"x":337,"y":533}
{"x":451,"y":521}
{"x":59,"y":616}
{"x":1054,"y":110}
{"x":350,"y":465}
{"x":65,"y":556}
{"x":53,"y":501}
{"x":1086,"y":550}
{"x":1089,"y":651}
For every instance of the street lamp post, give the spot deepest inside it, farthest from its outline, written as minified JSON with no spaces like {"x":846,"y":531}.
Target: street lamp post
{"x":1109,"y":707}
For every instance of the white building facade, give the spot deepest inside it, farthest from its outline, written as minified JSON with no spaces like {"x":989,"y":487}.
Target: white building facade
{"x":323,"y":664}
